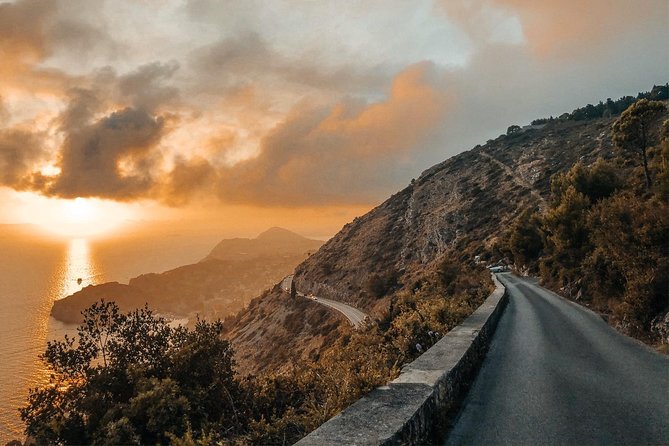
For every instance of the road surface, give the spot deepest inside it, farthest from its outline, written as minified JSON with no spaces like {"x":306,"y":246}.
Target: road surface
{"x":354,"y":316}
{"x":558,"y":374}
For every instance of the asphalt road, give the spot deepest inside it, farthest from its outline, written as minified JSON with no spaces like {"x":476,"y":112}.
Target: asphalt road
{"x":558,"y":374}
{"x":354,"y":316}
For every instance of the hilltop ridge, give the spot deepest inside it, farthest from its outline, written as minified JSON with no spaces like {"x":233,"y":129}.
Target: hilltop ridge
{"x":275,"y":240}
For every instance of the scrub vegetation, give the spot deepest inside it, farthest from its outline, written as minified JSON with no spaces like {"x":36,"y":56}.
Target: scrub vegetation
{"x":604,"y":237}
{"x":131,"y":378}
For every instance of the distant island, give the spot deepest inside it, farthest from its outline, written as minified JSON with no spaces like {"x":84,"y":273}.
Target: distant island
{"x":235,"y":271}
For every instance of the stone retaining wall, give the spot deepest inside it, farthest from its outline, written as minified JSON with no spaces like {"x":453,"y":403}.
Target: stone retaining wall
{"x":413,"y":408}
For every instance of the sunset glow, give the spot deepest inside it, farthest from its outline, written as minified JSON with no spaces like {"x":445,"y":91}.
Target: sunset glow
{"x":318,"y":193}
{"x":203,"y":106}
{"x":79,"y":217}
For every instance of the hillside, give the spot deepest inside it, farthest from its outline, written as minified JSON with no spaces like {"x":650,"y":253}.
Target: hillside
{"x":459,"y":205}
{"x":234,"y":272}
{"x":463,"y":204}
{"x":460,"y":208}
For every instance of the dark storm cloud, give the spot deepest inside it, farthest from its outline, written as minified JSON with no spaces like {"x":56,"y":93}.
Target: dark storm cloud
{"x":92,"y":156}
{"x":113,"y":156}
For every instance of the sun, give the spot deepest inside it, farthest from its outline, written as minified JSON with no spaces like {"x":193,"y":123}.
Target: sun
{"x":79,"y":211}
{"x":78,"y":217}
{"x":83,"y":217}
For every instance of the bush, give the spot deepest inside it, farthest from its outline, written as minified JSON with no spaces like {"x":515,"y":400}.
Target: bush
{"x":131,"y":378}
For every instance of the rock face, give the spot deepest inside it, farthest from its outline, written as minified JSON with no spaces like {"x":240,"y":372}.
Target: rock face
{"x":459,"y":205}
{"x":227,"y":279}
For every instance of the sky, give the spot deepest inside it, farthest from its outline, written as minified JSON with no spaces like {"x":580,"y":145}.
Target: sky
{"x":303,"y":114}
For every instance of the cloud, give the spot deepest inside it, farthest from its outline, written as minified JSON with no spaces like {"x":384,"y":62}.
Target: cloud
{"x":298,"y":103}
{"x":573,"y":25}
{"x":109,"y":158}
{"x":19,"y":150}
{"x":185,"y":179}
{"x":352,"y":152}
{"x":4,"y":112}
{"x":561,"y":28}
{"x":248,"y":58}
{"x":147,"y":87}
{"x":33,"y":31}
{"x":22,"y":36}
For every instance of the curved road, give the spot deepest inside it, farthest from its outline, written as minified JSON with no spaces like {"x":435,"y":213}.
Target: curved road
{"x":354,"y":316}
{"x":558,"y":374}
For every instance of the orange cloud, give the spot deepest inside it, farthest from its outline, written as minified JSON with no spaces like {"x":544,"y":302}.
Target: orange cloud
{"x":563,"y":27}
{"x":19,"y":150}
{"x":352,"y":152}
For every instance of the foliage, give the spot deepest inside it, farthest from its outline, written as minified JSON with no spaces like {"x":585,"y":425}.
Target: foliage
{"x":610,"y":107}
{"x":286,"y":407}
{"x":566,"y":236}
{"x":631,"y":237}
{"x":662,"y":173}
{"x":378,"y":285}
{"x":631,"y":132}
{"x":604,"y":238}
{"x":596,"y":182}
{"x":131,"y":379}
{"x":526,"y":238}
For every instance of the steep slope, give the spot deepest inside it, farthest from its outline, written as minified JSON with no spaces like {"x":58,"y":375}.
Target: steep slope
{"x":457,"y":206}
{"x":221,"y":284}
{"x":276,"y":331}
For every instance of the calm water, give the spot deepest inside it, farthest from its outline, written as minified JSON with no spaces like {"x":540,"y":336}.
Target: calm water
{"x":35,"y":271}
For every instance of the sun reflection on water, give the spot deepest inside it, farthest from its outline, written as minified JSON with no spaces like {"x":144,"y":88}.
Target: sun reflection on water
{"x":20,"y":358}
{"x":76,"y":271}
{"x":79,"y":270}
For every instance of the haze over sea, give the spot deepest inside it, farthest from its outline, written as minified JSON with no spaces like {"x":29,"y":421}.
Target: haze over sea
{"x":35,"y":270}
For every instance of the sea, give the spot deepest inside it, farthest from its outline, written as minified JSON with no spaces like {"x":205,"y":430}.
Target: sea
{"x":36,"y":270}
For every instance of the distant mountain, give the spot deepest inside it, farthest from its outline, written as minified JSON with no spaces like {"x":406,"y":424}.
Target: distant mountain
{"x":274,"y":241}
{"x":234,"y":272}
